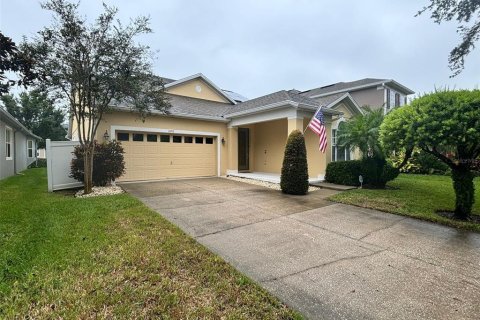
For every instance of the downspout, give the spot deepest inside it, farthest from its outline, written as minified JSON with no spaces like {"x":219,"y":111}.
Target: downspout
{"x":14,"y":152}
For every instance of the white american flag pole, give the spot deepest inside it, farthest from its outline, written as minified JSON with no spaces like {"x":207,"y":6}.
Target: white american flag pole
{"x":308,"y":125}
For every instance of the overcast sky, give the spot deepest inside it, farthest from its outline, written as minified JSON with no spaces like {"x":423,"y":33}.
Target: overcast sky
{"x":258,"y":47}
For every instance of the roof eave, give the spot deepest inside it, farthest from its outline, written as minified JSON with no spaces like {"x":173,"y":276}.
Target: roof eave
{"x":366,"y":86}
{"x":274,"y":105}
{"x":401,"y":86}
{"x":19,"y":124}
{"x":177,"y":115}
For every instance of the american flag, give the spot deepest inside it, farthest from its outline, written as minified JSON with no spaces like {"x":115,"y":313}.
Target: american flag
{"x":317,"y":124}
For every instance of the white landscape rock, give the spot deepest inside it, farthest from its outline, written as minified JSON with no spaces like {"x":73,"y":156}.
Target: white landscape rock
{"x":100,"y":191}
{"x":271,"y":185}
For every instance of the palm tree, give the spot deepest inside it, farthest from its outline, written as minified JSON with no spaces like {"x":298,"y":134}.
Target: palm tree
{"x":362,"y":132}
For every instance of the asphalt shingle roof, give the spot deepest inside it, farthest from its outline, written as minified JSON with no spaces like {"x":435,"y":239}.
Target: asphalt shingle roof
{"x":340,"y":86}
{"x":276,"y":97}
{"x":181,"y":105}
{"x":188,"y":105}
{"x":326,"y":100}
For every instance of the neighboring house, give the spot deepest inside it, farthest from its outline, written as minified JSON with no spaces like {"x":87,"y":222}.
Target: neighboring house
{"x":18,"y":146}
{"x":41,"y":153}
{"x":376,"y":93}
{"x":213,"y":132}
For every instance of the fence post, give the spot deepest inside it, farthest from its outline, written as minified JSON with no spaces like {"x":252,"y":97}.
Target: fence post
{"x":48,"y":155}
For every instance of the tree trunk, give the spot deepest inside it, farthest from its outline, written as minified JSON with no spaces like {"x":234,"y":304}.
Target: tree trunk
{"x":464,"y":191}
{"x":88,"y":168}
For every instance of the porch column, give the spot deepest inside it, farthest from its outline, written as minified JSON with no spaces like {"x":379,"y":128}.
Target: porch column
{"x":232,"y":150}
{"x":295,"y":124}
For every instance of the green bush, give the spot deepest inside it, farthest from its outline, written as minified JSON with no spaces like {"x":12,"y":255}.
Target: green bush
{"x":108,"y":163}
{"x":375,"y":172}
{"x":294,"y":178}
{"x":344,"y":172}
{"x":39,"y":163}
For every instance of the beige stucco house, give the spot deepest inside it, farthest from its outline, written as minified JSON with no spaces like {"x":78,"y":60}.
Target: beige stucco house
{"x":214,"y":132}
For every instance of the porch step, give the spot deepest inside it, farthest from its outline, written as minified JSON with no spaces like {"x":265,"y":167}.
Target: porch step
{"x":331,"y":186}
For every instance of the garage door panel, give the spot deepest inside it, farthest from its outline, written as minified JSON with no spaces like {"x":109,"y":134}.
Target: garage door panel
{"x":158,"y":160}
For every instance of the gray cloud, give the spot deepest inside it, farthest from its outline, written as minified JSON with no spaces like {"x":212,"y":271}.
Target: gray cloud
{"x":257,"y":47}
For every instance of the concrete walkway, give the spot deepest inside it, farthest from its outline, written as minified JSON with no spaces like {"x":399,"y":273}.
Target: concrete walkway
{"x":329,"y":261}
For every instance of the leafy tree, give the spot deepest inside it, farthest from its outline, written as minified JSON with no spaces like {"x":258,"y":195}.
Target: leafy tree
{"x":93,"y":66}
{"x":294,"y":177}
{"x":463,"y":11}
{"x":16,"y":61}
{"x":445,"y":124}
{"x":36,"y":111}
{"x":361,"y":131}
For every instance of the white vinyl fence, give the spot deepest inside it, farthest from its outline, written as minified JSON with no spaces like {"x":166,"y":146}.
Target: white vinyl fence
{"x":59,"y":156}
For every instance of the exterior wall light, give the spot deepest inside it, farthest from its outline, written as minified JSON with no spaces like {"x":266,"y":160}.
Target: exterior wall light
{"x":106,"y":137}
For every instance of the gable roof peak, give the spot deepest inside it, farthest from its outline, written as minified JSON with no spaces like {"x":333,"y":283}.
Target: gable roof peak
{"x":204,"y":78}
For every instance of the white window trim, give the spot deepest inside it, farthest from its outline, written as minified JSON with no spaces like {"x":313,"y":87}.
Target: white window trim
{"x":30,"y":148}
{"x":10,"y":142}
{"x":334,"y":142}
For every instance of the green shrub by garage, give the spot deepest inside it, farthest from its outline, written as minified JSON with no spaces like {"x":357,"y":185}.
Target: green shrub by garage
{"x":294,"y":178}
{"x":108,"y":163}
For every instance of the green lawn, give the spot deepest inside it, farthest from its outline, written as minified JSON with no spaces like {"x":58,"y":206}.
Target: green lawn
{"x":111,"y":257}
{"x":417,"y":196}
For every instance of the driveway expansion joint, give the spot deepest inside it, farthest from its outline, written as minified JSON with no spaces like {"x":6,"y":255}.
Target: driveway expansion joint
{"x":323,"y":265}
{"x":382,"y":229}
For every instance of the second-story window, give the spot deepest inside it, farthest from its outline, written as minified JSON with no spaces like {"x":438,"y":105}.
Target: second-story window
{"x":397,"y":100}
{"x":388,"y":99}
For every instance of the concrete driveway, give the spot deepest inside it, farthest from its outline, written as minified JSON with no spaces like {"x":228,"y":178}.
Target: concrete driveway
{"x":327,"y":260}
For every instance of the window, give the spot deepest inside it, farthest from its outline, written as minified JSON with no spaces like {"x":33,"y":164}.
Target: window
{"x":122,"y":136}
{"x":164,"y":138}
{"x":397,"y":99}
{"x":209,"y":140}
{"x":151,"y":137}
{"x":199,"y":140}
{"x":339,"y":153}
{"x":137,"y":136}
{"x":188,"y":139}
{"x":8,"y":143}
{"x":404,"y":100}
{"x":177,"y":139}
{"x":388,"y":99}
{"x":30,"y":148}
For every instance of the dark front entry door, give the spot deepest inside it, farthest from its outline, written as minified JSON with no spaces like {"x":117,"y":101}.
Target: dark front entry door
{"x":243,"y":148}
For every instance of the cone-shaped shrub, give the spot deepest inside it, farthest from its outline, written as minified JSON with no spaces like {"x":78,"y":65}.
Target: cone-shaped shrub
{"x":294,"y":179}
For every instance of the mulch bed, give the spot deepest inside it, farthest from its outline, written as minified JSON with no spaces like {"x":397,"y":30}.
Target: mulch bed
{"x":450,"y":215}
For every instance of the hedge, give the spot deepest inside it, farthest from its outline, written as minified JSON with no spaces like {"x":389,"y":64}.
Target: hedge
{"x":375,"y":172}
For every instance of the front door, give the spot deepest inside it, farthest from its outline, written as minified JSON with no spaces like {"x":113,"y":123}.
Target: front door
{"x":243,"y":149}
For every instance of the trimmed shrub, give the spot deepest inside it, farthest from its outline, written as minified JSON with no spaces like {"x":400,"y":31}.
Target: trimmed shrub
{"x":294,"y":178}
{"x":344,"y":172}
{"x":375,"y":172}
{"x":108,"y":163}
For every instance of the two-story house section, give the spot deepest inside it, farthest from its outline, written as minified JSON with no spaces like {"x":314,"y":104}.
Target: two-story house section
{"x":376,"y":93}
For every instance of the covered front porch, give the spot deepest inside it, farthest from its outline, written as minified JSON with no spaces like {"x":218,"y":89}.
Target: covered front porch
{"x":256,"y":144}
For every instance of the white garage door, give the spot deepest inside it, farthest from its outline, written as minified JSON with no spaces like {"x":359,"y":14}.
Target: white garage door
{"x":150,"y":156}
